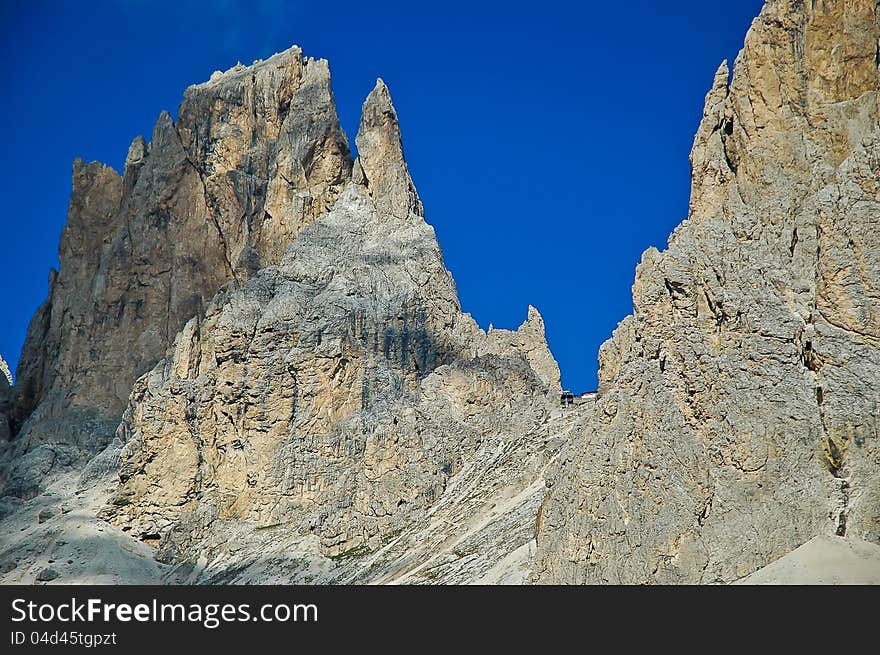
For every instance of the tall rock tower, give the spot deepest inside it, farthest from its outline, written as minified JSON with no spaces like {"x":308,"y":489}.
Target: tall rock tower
{"x":738,"y":413}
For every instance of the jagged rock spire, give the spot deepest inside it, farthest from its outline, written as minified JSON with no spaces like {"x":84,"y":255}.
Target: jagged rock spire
{"x":531,"y":341}
{"x":381,"y":166}
{"x":256,"y":155}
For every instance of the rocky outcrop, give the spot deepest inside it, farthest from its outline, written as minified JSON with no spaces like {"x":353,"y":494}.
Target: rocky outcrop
{"x":380,"y":167}
{"x":5,"y":401}
{"x":5,"y":375}
{"x":531,"y":340}
{"x":257,"y":153}
{"x":326,"y":412}
{"x":738,"y":409}
{"x":341,"y":398}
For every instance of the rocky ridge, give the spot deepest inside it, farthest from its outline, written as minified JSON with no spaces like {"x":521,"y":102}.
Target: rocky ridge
{"x":253,"y":365}
{"x":337,"y":393}
{"x":256,"y":154}
{"x":327,"y":403}
{"x":738,"y":408}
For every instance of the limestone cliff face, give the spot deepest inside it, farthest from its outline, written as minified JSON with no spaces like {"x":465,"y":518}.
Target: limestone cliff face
{"x":338,"y":394}
{"x":323,"y":399}
{"x":738,"y":410}
{"x":257,"y":153}
{"x":531,"y":340}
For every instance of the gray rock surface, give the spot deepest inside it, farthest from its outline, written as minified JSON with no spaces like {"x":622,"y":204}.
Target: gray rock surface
{"x":303,"y":399}
{"x":77,"y":545}
{"x":340,"y":395}
{"x":47,"y":575}
{"x":256,"y":154}
{"x":738,"y":408}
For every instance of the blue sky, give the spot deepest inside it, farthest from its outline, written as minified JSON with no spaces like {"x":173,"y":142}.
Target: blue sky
{"x":549,"y":141}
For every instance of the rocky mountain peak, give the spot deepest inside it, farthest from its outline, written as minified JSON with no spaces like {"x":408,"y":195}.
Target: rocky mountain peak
{"x":530,"y":340}
{"x":737,"y":417}
{"x":381,"y":166}
{"x":356,"y":337}
{"x":274,"y":325}
{"x":256,"y":155}
{"x":253,"y":363}
{"x":136,"y":152}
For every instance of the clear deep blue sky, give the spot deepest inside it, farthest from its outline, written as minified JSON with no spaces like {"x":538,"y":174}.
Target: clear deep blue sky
{"x":549,"y":140}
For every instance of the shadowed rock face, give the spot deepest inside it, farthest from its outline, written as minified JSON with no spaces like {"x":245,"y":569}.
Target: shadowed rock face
{"x":257,"y":154}
{"x":323,"y":395}
{"x":738,"y":413}
{"x":336,"y":394}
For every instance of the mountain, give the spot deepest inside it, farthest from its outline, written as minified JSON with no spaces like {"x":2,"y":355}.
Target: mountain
{"x":253,"y":366}
{"x":330,"y":401}
{"x":256,"y":154}
{"x":738,"y":408}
